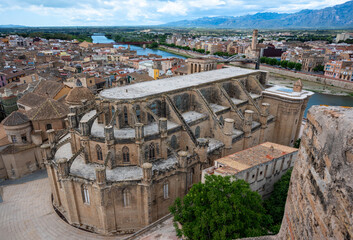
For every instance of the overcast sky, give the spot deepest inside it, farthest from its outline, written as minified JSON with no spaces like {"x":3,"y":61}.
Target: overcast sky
{"x":139,"y":12}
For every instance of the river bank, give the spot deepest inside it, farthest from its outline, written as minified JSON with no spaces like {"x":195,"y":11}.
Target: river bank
{"x":174,"y":52}
{"x":278,"y":79}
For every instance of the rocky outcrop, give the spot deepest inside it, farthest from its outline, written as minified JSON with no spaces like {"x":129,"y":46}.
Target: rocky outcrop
{"x":320,"y":196}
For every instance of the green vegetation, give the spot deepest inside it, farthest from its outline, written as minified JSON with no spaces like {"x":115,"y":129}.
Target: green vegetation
{"x":223,"y":54}
{"x":275,"y":204}
{"x":319,"y":68}
{"x":176,"y":46}
{"x":220,"y":209}
{"x":349,"y":41}
{"x":63,"y":36}
{"x":225,"y":209}
{"x":297,"y":143}
{"x":284,"y":64}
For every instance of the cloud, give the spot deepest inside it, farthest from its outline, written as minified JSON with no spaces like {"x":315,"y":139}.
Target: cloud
{"x":173,"y":8}
{"x":140,"y":12}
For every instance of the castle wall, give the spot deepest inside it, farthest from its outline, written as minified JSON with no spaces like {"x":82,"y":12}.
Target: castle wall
{"x":320,"y":200}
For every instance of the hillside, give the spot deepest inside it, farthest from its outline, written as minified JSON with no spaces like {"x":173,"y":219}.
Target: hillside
{"x":339,"y":16}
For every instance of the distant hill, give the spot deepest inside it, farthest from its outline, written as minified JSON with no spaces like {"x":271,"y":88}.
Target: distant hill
{"x":339,"y":16}
{"x":11,"y":26}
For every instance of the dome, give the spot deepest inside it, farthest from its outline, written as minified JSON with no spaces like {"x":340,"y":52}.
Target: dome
{"x":15,"y":118}
{"x":77,"y":94}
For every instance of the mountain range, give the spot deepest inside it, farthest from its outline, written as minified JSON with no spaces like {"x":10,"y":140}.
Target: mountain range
{"x":338,"y":16}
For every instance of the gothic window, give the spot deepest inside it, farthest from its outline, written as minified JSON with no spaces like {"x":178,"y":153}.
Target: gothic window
{"x":166,"y":190}
{"x":126,"y":119}
{"x":126,"y":155}
{"x":197,"y":132}
{"x":113,"y":112}
{"x":99,"y":153}
{"x":191,"y":176}
{"x":152,"y":151}
{"x":138,"y":113}
{"x":178,"y":102}
{"x":85,"y":195}
{"x":126,"y":198}
{"x":173,"y":142}
{"x":221,"y":120}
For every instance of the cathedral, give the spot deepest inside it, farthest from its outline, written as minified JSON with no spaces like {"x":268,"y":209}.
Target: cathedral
{"x":129,"y":153}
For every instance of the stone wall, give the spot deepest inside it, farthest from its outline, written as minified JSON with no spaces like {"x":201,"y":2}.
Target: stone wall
{"x":305,"y":76}
{"x":320,"y":197}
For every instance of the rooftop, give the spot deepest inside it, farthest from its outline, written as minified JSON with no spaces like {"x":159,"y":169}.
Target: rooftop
{"x":287,"y":92}
{"x":251,"y":157}
{"x":145,"y":89}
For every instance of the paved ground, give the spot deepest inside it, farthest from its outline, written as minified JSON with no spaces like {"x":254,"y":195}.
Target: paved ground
{"x":26,"y":213}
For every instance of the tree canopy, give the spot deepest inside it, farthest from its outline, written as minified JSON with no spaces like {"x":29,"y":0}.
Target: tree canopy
{"x":220,"y":209}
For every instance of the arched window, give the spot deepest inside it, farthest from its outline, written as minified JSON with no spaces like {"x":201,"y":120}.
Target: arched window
{"x":126,"y":119}
{"x":152,"y":151}
{"x":126,"y":155}
{"x":221,"y":120}
{"x":138,"y":113}
{"x":166,"y":190}
{"x":173,"y":142}
{"x":85,"y":195}
{"x":126,"y":198}
{"x":191,"y":176}
{"x":99,"y":153}
{"x":197,"y":132}
{"x":113,"y":112}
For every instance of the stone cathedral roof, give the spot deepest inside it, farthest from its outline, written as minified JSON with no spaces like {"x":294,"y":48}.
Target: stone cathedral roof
{"x":50,"y":109}
{"x":77,"y":94}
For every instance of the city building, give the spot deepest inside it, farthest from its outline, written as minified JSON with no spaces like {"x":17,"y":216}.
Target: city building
{"x":340,"y":70}
{"x":261,"y":166}
{"x":129,"y":154}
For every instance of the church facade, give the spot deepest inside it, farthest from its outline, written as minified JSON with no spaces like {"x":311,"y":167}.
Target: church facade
{"x":133,"y":150}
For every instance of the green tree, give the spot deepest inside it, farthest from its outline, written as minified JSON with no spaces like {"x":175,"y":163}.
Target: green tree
{"x":319,"y":68}
{"x":273,"y":61}
{"x":275,"y":204}
{"x":220,"y":209}
{"x":263,"y":59}
{"x":284,"y":63}
{"x":291,"y":65}
{"x":298,"y":66}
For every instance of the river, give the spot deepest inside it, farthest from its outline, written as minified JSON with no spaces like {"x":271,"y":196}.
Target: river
{"x":139,"y":50}
{"x":316,"y":99}
{"x":326,"y":99}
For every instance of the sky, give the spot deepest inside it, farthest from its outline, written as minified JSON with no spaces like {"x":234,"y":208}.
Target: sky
{"x":139,"y":12}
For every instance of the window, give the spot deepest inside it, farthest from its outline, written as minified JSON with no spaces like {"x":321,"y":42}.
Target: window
{"x":173,"y":142}
{"x":113,"y":112}
{"x":152,"y":152}
{"x":126,"y":119}
{"x":126,"y":155}
{"x":191,"y":176}
{"x":126,"y":198}
{"x":166,"y":190}
{"x":138,"y":113}
{"x":49,"y":126}
{"x":85,"y":195}
{"x":24,"y":138}
{"x":99,"y":153}
{"x":13,"y":139}
{"x":197,"y":132}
